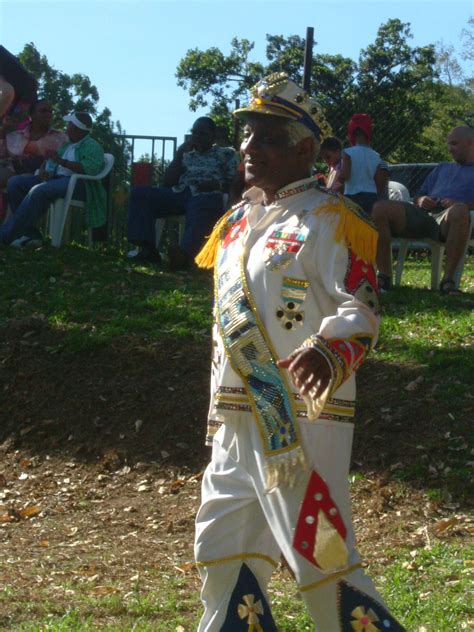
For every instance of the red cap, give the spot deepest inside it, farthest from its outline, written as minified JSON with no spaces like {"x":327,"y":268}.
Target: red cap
{"x":360,"y":121}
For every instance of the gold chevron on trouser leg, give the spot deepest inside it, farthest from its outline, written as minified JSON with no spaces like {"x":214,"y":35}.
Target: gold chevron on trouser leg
{"x":330,"y":550}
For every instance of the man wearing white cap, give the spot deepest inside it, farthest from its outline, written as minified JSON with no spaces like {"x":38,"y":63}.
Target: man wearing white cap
{"x":30,"y":196}
{"x":296,"y":312}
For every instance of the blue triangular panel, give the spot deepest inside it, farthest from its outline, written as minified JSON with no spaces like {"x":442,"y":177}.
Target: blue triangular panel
{"x":350,"y":598}
{"x":247,"y":585}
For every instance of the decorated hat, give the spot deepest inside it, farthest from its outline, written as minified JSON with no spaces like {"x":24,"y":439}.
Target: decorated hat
{"x":278,"y":95}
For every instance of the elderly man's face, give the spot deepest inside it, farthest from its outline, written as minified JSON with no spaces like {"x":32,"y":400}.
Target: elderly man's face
{"x":270,"y":162}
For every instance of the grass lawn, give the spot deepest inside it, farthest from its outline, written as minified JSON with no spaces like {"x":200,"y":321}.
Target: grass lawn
{"x":113,"y":551}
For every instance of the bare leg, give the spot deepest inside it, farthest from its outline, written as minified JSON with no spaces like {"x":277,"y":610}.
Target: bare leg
{"x":389,"y":218}
{"x":455,"y":231}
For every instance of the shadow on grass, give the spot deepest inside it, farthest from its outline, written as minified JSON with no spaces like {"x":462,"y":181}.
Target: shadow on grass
{"x":137,"y":397}
{"x":415,"y":299}
{"x":147,"y":401}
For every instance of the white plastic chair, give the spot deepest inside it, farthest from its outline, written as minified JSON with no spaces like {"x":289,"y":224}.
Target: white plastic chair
{"x":399,"y":193}
{"x":59,"y":209}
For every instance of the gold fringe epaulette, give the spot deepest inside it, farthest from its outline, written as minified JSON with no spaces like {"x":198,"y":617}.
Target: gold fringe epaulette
{"x":208,"y":253}
{"x":357,"y":230}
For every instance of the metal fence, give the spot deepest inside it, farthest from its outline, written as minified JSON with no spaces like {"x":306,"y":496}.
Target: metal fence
{"x":157,"y":151}
{"x":398,"y":145}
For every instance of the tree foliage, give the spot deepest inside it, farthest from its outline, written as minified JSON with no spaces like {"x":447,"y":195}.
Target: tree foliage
{"x":73,"y":92}
{"x":400,"y":85}
{"x":467,"y":36}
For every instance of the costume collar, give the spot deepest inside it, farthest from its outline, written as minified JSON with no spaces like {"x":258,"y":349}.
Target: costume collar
{"x":254,"y":195}
{"x":296,"y":187}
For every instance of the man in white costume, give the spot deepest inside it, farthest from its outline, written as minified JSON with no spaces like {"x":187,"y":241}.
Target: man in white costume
{"x":296,"y":312}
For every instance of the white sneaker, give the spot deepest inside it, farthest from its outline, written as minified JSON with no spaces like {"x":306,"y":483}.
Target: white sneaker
{"x":26,"y":242}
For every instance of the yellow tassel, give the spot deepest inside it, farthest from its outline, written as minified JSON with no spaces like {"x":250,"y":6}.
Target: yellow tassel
{"x":207,"y":256}
{"x":356,"y":230}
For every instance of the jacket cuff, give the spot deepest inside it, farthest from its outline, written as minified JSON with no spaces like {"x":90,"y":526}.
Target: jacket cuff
{"x":344,"y":355}
{"x":335,"y":362}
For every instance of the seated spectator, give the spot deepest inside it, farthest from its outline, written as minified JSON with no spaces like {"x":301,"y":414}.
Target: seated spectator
{"x":440,"y":211}
{"x":331,"y":149}
{"x":24,"y":150}
{"x":193,"y":186}
{"x":30,"y":196}
{"x":363,"y":173}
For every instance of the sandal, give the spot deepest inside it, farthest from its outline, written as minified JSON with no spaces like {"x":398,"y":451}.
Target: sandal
{"x":384,"y":282}
{"x":447,"y":287}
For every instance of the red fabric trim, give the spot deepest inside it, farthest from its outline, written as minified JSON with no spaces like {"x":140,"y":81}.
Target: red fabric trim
{"x":234,"y":232}
{"x":359,"y":271}
{"x":305,"y":533}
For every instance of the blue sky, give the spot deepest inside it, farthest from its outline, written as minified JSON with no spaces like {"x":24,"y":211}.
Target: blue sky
{"x":130,"y":49}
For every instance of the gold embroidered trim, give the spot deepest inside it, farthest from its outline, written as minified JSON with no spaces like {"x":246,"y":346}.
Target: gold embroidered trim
{"x":334,"y":409}
{"x":263,"y":331}
{"x":233,"y":399}
{"x":241,"y":556}
{"x":281,"y":463}
{"x":330,"y":578}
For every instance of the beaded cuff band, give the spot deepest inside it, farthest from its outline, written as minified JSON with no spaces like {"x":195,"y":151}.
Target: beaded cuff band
{"x":336,"y":363}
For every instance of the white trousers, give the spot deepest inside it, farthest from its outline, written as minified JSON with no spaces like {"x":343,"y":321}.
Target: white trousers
{"x":240,"y":522}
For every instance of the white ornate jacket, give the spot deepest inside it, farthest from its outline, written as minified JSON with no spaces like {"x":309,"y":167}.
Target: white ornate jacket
{"x":306,"y":263}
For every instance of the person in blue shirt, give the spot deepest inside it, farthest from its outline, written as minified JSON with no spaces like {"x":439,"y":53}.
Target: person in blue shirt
{"x":440,"y":211}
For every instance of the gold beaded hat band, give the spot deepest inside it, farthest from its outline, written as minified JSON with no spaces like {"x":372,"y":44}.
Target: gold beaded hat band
{"x":278,"y":95}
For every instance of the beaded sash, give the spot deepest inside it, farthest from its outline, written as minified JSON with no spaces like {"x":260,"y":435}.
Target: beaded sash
{"x":249,"y":352}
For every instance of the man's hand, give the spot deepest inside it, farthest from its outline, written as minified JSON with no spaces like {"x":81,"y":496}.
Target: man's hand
{"x":309,"y":371}
{"x":44,"y":175}
{"x":427,"y":202}
{"x":188,"y":145}
{"x":56,"y":157}
{"x":447,"y":202}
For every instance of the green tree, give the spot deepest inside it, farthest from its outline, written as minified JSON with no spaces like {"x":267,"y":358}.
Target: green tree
{"x":447,"y":65}
{"x":73,"y":92}
{"x":66,"y":92}
{"x":391,"y":84}
{"x":389,"y":81}
{"x":218,"y":81}
{"x":467,"y":37}
{"x":452,"y":97}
